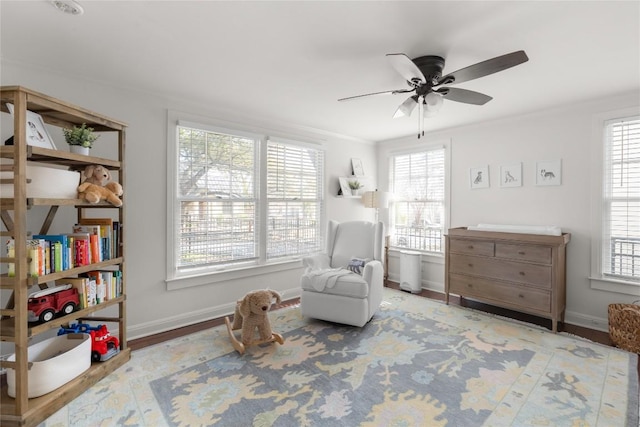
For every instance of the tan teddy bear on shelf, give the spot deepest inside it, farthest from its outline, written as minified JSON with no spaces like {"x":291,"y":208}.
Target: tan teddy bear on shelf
{"x":93,"y":193}
{"x":251,"y":313}
{"x":97,"y":186}
{"x":96,"y":174}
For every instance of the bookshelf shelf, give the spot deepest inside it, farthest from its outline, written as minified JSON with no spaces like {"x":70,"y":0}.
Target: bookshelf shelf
{"x":14,"y":325}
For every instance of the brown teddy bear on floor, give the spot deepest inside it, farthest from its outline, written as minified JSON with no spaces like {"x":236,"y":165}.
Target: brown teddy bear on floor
{"x":251,"y":313}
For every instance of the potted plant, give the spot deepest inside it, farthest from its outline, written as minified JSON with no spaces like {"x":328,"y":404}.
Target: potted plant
{"x":80,"y":138}
{"x":355,"y":187}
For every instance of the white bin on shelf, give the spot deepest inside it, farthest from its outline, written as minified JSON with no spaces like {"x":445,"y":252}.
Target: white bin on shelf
{"x":53,"y":363}
{"x":410,"y":271}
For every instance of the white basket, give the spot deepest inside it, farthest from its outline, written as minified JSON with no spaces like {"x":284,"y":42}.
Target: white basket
{"x":53,"y":363}
{"x":46,"y":182}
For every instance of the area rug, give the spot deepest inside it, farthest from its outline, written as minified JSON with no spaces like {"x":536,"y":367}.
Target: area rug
{"x":417,"y":363}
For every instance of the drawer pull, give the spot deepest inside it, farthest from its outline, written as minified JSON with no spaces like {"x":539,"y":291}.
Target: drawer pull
{"x":470,"y":247}
{"x":521,"y":252}
{"x":522,"y":273}
{"x":470,"y":265}
{"x":521,"y":295}
{"x":469,"y":285}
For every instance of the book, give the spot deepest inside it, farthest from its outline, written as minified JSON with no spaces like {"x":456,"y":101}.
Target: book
{"x":11,"y":253}
{"x":81,"y":248}
{"x":106,"y":234}
{"x":95,"y":240}
{"x":63,"y":240}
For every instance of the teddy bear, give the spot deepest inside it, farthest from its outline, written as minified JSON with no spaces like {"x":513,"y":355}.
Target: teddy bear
{"x":96,"y":174}
{"x":94,"y":193}
{"x":251,"y":313}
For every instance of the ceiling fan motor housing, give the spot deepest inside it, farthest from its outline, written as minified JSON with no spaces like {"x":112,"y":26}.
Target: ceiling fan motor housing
{"x":431,"y":67}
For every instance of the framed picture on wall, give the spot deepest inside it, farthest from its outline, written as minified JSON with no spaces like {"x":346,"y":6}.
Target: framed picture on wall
{"x":511,"y":175}
{"x":479,"y":177}
{"x":549,"y":172}
{"x":356,"y":166}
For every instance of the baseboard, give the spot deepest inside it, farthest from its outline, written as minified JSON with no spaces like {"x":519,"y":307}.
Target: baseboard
{"x":193,"y":317}
{"x":591,"y":322}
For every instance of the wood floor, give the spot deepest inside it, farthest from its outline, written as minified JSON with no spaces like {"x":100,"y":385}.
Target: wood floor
{"x":590,"y":334}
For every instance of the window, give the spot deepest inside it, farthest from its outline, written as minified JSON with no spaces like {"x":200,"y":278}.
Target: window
{"x":418,"y":211}
{"x":294,"y":198}
{"x":621,"y":195}
{"x":231,"y":210}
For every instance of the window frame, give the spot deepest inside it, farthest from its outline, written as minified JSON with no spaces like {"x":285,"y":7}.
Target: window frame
{"x":217,"y":274}
{"x":446,"y":146}
{"x":598,"y":279}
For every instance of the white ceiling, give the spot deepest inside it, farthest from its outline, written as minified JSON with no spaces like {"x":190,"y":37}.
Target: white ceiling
{"x":291,"y":61}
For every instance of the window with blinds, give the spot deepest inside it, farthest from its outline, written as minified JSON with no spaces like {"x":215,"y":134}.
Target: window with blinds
{"x":621,"y":219}
{"x":217,"y":198}
{"x":294,"y":199}
{"x":234,"y":210}
{"x":418,"y":211}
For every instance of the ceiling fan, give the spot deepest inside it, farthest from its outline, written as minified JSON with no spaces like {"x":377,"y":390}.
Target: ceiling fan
{"x":429,"y":86}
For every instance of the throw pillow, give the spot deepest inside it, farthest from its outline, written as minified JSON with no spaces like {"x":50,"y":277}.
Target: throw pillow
{"x":356,"y":265}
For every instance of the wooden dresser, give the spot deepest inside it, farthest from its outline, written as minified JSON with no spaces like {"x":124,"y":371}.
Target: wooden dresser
{"x":523,"y":272}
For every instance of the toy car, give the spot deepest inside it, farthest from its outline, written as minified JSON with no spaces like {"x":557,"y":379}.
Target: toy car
{"x":103,"y":345}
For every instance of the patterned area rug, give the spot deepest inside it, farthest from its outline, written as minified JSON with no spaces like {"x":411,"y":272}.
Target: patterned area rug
{"x":417,"y":363}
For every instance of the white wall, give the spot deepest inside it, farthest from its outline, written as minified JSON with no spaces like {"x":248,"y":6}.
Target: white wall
{"x":563,"y":133}
{"x":151,"y":308}
{"x":559,"y":134}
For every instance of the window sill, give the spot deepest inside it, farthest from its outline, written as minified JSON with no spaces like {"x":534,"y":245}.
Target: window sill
{"x":208,"y":278}
{"x":619,"y":286}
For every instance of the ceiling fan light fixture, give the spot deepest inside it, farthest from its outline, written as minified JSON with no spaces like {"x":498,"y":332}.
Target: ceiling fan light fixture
{"x":433,"y":102}
{"x":70,"y":7}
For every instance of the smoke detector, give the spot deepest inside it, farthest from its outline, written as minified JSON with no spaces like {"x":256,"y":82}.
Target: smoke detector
{"x":68,"y":6}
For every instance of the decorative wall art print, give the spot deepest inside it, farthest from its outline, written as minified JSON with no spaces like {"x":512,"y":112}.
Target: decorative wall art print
{"x":479,"y":177}
{"x":37,"y":135}
{"x":511,"y":175}
{"x":549,"y":172}
{"x":356,"y":167}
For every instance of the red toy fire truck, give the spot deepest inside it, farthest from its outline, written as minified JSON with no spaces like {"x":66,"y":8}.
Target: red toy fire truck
{"x":44,"y":305}
{"x":103,"y":345}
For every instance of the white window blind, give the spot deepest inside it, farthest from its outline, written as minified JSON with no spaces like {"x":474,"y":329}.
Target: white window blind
{"x":294,"y":198}
{"x":621,"y":219}
{"x":217,"y":198}
{"x":418,"y":211}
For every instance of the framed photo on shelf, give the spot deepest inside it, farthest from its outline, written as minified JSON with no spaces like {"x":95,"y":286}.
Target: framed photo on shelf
{"x":511,"y":175}
{"x":479,"y":177}
{"x":37,"y":135}
{"x":549,"y":172}
{"x":356,"y":167}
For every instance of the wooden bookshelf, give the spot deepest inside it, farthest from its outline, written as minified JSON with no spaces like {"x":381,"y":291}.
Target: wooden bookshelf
{"x":21,"y":410}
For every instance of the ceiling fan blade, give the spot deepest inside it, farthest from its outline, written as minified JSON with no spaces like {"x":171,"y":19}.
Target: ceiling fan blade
{"x":407,"y":107}
{"x":464,"y":95}
{"x":387,"y":92}
{"x":406,"y":67}
{"x":485,"y":68}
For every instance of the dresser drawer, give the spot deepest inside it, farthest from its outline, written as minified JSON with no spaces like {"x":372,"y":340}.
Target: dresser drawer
{"x":532,"y":253}
{"x":472,"y":247}
{"x":513,"y":271}
{"x":531,"y":299}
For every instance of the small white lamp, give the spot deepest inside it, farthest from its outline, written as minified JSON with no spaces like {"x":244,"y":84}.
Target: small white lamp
{"x":376,"y":199}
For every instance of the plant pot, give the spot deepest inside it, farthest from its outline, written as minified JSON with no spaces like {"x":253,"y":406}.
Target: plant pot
{"x":356,"y":192}
{"x":79,"y":149}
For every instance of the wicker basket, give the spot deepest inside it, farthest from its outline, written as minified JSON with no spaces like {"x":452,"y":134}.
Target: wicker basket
{"x":624,"y":326}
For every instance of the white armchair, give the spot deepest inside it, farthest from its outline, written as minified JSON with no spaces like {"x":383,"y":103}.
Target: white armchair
{"x":330,"y":291}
